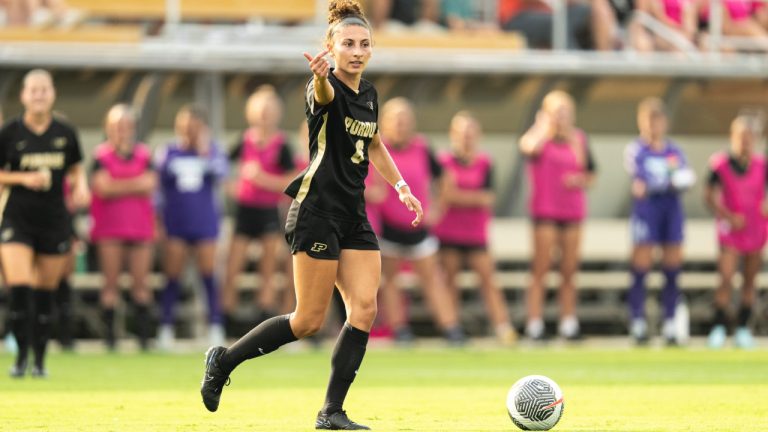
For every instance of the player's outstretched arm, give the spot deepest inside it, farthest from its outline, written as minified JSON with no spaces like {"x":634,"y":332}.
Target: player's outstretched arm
{"x":320,"y":68}
{"x":381,"y":159}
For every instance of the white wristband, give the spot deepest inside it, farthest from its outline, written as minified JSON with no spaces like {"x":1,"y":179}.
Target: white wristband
{"x":400,"y":184}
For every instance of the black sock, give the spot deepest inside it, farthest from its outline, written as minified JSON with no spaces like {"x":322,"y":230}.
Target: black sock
{"x":41,"y":328}
{"x":64,"y":307}
{"x":265,"y":338}
{"x":347,"y":356}
{"x":108,"y":315}
{"x":721,"y":317}
{"x":142,"y":325}
{"x":20,"y":313}
{"x":745,"y":313}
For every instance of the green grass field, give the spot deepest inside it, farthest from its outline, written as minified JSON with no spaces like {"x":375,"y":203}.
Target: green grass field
{"x":414,"y":390}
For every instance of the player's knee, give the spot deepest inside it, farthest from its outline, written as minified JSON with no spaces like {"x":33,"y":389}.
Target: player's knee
{"x":364,"y":311}
{"x":305,"y":326}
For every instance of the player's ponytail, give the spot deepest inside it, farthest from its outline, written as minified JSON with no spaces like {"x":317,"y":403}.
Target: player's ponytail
{"x":342,"y":13}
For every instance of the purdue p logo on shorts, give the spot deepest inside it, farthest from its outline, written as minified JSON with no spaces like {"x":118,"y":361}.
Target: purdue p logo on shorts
{"x":319,"y":247}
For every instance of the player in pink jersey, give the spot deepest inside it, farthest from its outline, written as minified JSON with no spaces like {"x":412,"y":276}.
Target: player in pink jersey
{"x":736,"y":195}
{"x":399,"y":239}
{"x":679,"y":16}
{"x":560,"y":169}
{"x":266,"y":168}
{"x":463,"y":228}
{"x":123,"y":182}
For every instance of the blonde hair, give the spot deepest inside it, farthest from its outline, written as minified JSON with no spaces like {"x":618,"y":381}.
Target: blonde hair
{"x":119,"y":111}
{"x":395,"y":104}
{"x":651,"y":105}
{"x":37,"y":73}
{"x":342,"y":13}
{"x":196,"y":111}
{"x":555,"y":98}
{"x":265,"y":91}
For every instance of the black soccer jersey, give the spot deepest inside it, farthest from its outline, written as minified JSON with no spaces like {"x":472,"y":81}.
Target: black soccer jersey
{"x":340,"y":133}
{"x":56,"y":150}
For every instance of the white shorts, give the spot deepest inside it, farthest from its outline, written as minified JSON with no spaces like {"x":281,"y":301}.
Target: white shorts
{"x":423,"y":249}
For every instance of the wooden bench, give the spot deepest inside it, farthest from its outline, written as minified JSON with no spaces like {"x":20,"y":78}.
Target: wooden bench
{"x":79,"y":34}
{"x":200,"y":10}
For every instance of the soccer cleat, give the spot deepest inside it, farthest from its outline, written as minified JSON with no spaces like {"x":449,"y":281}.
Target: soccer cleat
{"x":337,"y":421}
{"x":638,"y":329}
{"x":717,"y":337}
{"x":404,"y":336}
{"x":214,"y":379}
{"x":165,"y":338}
{"x":18,"y":370}
{"x":455,"y":336}
{"x":38,"y":372}
{"x":743,"y":338}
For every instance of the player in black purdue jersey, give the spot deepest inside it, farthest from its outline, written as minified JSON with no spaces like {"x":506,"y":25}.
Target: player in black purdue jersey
{"x":329,"y":234}
{"x":37,"y":152}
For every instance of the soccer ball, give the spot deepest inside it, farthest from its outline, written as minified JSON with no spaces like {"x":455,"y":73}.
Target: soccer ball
{"x":535,"y":403}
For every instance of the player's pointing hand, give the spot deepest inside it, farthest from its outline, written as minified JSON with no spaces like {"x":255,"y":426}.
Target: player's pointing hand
{"x":319,"y":65}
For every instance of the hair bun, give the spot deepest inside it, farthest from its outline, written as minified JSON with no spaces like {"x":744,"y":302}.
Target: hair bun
{"x":340,"y":9}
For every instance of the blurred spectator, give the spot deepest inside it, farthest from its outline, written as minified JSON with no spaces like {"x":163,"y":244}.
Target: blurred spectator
{"x":588,"y":25}
{"x":460,"y":16}
{"x":393,"y":15}
{"x":739,"y":20}
{"x":660,"y":174}
{"x":266,"y":167}
{"x":735,"y":193}
{"x":463,"y":229}
{"x":399,"y":239}
{"x":39,"y":12}
{"x":560,"y":169}
{"x":191,"y":168}
{"x":123,"y":182}
{"x":679,"y":17}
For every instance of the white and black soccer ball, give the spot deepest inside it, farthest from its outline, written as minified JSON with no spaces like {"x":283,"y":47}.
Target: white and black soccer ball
{"x":535,"y":403}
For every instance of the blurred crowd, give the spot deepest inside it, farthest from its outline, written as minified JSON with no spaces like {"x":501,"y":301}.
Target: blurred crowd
{"x":602,"y":25}
{"x":166,"y":198}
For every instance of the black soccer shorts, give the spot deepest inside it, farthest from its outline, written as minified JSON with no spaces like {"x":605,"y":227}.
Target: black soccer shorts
{"x":324,"y":237}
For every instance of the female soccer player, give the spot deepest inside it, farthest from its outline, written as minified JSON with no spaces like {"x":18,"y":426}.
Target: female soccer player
{"x":37,"y":152}
{"x":331,"y":241}
{"x":400,"y":240}
{"x":463,"y":228}
{"x":266,"y":168}
{"x":190,"y":169}
{"x":660,"y":174}
{"x":735,"y":193}
{"x":560,"y":168}
{"x":123,"y":182}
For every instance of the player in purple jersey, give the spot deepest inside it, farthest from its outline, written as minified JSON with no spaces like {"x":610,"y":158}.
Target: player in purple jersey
{"x":660,"y":174}
{"x":561,"y":169}
{"x":38,"y":152}
{"x":735,"y":193}
{"x":190,"y":168}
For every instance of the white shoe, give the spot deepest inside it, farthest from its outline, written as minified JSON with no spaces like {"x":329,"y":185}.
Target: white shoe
{"x":682,"y":323}
{"x":717,"y":336}
{"x":534,"y":329}
{"x":216,"y":335}
{"x":638,"y":329}
{"x":743,"y":338}
{"x":569,"y":327}
{"x":166,"y":337}
{"x":668,"y":332}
